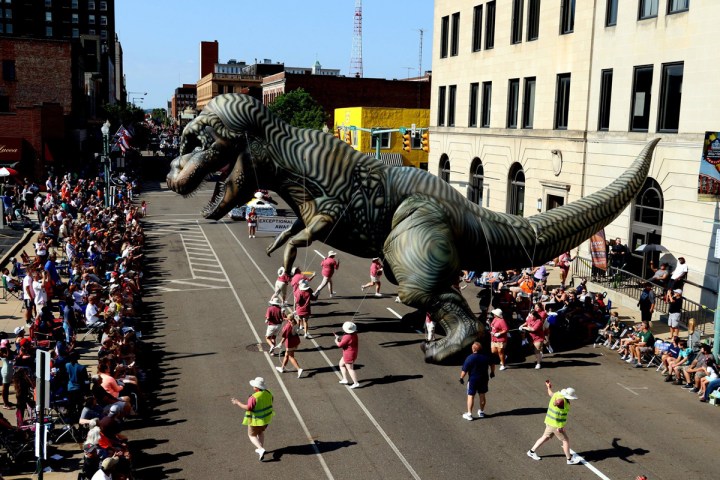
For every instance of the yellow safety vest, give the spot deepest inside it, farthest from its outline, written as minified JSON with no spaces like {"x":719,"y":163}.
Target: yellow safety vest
{"x":263,"y":412}
{"x":557,"y":417}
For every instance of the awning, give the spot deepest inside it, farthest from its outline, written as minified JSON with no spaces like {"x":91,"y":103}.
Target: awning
{"x":10,"y":150}
{"x":389,"y":159}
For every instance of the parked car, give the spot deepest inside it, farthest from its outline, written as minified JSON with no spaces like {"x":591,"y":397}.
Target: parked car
{"x":262,"y":208}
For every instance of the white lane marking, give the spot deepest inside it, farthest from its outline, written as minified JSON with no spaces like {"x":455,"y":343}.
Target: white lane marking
{"x":289,"y":398}
{"x":205,"y":270}
{"x":352,"y":393}
{"x":590,"y":467}
{"x":632,"y":389}
{"x":166,"y":289}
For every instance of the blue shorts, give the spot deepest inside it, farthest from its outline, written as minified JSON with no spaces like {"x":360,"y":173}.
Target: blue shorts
{"x":476,"y":386}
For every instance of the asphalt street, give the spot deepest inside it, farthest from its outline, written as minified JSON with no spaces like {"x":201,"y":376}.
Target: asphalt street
{"x":208,"y":290}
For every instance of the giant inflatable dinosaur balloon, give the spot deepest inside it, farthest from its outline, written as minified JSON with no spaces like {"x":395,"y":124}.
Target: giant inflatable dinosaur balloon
{"x":421,"y":227}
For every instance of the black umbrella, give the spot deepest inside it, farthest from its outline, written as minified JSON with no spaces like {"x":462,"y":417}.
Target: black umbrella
{"x":651,"y":247}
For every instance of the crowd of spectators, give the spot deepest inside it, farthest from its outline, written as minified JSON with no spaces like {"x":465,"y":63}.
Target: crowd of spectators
{"x":85,"y":281}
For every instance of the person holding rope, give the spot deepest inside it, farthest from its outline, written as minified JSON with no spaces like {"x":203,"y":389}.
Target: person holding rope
{"x":376,"y":271}
{"x":328,"y":266}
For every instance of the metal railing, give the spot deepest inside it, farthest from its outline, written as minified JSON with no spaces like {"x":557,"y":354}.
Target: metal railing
{"x":628,"y":284}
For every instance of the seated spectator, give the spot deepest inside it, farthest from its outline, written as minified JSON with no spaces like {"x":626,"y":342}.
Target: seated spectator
{"x":625,"y":343}
{"x":698,"y":368}
{"x":668,"y":351}
{"x":660,"y":275}
{"x":645,"y":344}
{"x":525,"y":285}
{"x":611,"y":330}
{"x":91,"y":411}
{"x":13,"y":284}
{"x":682,"y":359}
{"x":92,"y":312}
{"x":712,"y":374}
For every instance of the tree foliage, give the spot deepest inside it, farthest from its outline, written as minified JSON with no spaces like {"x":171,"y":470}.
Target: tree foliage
{"x":160,"y":116}
{"x":299,"y":109}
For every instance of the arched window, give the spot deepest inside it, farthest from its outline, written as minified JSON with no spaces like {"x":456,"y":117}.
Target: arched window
{"x":475,"y":186}
{"x":516,"y":190}
{"x":649,"y":204}
{"x":444,"y":172}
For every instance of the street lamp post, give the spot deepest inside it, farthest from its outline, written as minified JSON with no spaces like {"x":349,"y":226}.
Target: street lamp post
{"x":105,"y":129}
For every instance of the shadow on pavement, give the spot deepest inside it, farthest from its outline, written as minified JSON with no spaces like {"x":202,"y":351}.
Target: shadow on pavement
{"x":367,"y":382}
{"x":616,"y":451}
{"x":307,"y":449}
{"x":517,"y":412}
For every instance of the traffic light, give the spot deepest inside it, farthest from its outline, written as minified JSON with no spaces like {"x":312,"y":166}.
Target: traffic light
{"x":425,"y":141}
{"x":348,"y":137}
{"x":407,"y":143}
{"x":336,"y":133}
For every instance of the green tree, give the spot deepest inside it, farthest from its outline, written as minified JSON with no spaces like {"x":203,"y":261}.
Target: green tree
{"x":299,"y":109}
{"x":160,"y":115}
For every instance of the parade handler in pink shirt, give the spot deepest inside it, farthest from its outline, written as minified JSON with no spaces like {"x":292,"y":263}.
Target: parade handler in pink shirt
{"x":349,"y":343}
{"x":376,"y":271}
{"x":328,"y":266}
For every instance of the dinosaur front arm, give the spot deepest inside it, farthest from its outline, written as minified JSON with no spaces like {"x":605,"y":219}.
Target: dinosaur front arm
{"x":280,"y":240}
{"x":317,"y":228}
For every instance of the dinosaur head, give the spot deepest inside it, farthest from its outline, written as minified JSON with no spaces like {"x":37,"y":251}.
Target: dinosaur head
{"x":208,"y":147}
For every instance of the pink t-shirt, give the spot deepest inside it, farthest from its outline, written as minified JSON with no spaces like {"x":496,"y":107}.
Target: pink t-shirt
{"x":329,"y":265}
{"x":498,"y":325}
{"x":284,"y":278}
{"x":110,"y":385}
{"x":375,"y":269}
{"x":349,"y":344}
{"x":292,"y":339}
{"x":302,"y":303}
{"x":273,"y":315}
{"x":536,"y":331}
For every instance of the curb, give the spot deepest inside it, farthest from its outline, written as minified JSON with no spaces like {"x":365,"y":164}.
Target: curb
{"x":15,"y":248}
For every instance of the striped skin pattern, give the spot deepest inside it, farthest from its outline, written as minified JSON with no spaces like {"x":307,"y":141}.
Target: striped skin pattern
{"x":422,"y":228}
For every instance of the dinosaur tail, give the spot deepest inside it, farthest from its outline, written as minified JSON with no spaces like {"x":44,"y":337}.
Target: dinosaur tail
{"x":560,"y":229}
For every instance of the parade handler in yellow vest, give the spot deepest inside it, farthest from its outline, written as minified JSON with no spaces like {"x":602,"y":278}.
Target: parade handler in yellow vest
{"x":555,"y":421}
{"x":258,"y":415}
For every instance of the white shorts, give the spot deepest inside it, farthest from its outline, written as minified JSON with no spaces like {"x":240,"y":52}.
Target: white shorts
{"x":374,"y":279}
{"x":674,"y":320}
{"x":272,"y":330}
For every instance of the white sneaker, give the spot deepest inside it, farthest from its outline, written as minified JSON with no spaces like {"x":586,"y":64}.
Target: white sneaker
{"x":537,"y":366}
{"x":261,"y":453}
{"x":481,"y":414}
{"x":343,"y":382}
{"x":308,"y":336}
{"x":467,"y":416}
{"x":300,"y":373}
{"x":550,"y":349}
{"x":378,"y":294}
{"x":355,"y":385}
{"x":333,"y":293}
{"x":574,"y":460}
{"x":533,"y":455}
{"x":362,"y":288}
{"x":502,"y":367}
{"x":397,"y":299}
{"x":280,"y":369}
{"x":630,"y":360}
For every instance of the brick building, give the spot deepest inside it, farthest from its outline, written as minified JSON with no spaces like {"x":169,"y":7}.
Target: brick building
{"x":35,"y":98}
{"x":338,"y":92}
{"x":184,"y":97}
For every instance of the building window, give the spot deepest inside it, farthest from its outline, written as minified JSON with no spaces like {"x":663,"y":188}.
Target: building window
{"x":75,"y":33}
{"x":91,"y":31}
{"x":103,"y":6}
{"x":490,"y":25}
{"x":512,"y":104}
{"x":648,"y":9}
{"x":516,"y":190}
{"x":477,"y":28}
{"x":74,"y":4}
{"x":444,"y":172}
{"x":533,"y":26}
{"x":48,"y":31}
{"x":517,"y":22}
{"x":75,"y":18}
{"x":91,"y":5}
{"x":562,"y":101}
{"x":486,"y":100}
{"x":48,"y":16}
{"x":567,"y":17}
{"x":640,"y":112}
{"x":103,"y":34}
{"x":606,"y":78}
{"x":444,"y":27}
{"x":649,"y":204}
{"x":103,"y":20}
{"x":529,"y":103}
{"x":670,"y":95}
{"x":8,"y":13}
{"x":9,"y":28}
{"x":4,"y":103}
{"x":384,"y":140}
{"x":1,"y":28}
{"x":675,"y":6}
{"x":48,"y":3}
{"x":472,"y":114}
{"x":611,"y":10}
{"x":455,"y":34}
{"x":441,"y":106}
{"x":8,"y":70}
{"x":475,"y":186}
{"x":91,"y":19}
{"x":452,"y":91}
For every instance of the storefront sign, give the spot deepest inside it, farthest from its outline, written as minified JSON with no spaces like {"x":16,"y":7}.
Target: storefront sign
{"x":10,"y":149}
{"x":274,"y":224}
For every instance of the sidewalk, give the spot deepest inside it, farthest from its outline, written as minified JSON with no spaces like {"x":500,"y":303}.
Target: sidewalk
{"x":11,"y":317}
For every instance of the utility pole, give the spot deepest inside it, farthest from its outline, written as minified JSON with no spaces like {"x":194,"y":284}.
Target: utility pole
{"x":420,"y":72}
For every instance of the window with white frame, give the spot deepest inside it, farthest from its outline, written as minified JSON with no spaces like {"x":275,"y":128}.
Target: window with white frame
{"x":384,"y":140}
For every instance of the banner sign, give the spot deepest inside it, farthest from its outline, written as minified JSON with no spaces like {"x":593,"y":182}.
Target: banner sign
{"x":598,"y":250}
{"x":274,"y":224}
{"x":709,"y":179}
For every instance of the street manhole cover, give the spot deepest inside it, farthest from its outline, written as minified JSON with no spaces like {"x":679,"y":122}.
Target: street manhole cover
{"x":257,"y":347}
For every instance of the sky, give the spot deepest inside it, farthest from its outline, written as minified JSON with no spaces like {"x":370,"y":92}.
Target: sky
{"x":161,"y":38}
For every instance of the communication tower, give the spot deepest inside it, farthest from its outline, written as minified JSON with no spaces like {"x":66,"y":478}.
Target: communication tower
{"x":356,"y":66}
